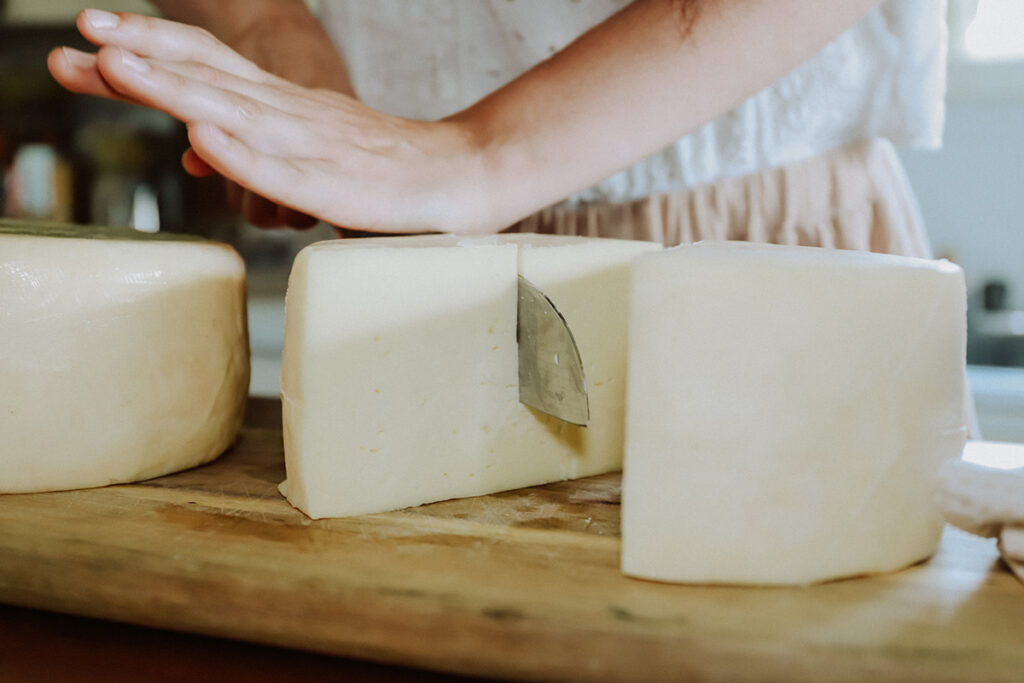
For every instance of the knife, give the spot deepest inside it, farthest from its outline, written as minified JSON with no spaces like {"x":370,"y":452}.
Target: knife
{"x":551,"y":376}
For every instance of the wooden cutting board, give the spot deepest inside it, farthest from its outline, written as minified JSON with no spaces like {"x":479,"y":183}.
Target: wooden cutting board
{"x":521,"y":584}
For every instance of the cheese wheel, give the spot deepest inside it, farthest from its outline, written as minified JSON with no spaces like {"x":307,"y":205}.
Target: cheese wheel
{"x":122,"y":356}
{"x":399,"y":376}
{"x":788,"y":411}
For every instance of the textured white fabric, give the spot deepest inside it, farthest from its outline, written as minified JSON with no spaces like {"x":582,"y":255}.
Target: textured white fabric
{"x":883,"y":78}
{"x":983,"y":491}
{"x":855,"y":197}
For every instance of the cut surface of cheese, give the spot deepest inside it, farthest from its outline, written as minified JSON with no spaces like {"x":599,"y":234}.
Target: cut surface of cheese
{"x":122,"y":356}
{"x":399,"y":376}
{"x":788,"y":411}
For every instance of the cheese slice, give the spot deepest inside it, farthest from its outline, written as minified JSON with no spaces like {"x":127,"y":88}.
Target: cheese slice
{"x":122,"y":356}
{"x":788,"y":411}
{"x":399,"y":375}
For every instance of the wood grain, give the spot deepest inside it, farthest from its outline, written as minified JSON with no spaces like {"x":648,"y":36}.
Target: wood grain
{"x":522,"y":584}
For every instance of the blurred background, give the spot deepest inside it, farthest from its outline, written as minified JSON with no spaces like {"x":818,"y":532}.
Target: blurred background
{"x":86,"y":160}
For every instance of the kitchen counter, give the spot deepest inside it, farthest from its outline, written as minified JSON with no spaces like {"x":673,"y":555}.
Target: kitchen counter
{"x":523,"y":584}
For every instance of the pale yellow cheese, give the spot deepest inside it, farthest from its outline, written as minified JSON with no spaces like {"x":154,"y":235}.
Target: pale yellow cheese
{"x":788,"y":411}
{"x":399,"y":376}
{"x":121,"y":357}
{"x":588,"y":279}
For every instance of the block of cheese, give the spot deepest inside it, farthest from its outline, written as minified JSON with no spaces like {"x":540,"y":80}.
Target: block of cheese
{"x":399,"y":374}
{"x":788,"y":411}
{"x":122,"y":356}
{"x":588,"y":280}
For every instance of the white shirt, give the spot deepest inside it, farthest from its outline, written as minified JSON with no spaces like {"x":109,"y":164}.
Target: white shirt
{"x":882,"y":78}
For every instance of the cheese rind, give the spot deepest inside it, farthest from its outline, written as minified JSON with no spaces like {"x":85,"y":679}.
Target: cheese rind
{"x":399,"y":375}
{"x":120,"y":359}
{"x":788,"y":411}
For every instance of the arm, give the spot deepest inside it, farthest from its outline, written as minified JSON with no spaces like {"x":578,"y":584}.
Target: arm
{"x":634,"y":84}
{"x":281,"y":36}
{"x":629,"y":86}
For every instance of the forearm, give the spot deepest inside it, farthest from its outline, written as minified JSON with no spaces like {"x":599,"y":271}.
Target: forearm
{"x":619,"y":93}
{"x":281,"y":36}
{"x":214,"y":16}
{"x":634,"y":84}
{"x":223,"y":18}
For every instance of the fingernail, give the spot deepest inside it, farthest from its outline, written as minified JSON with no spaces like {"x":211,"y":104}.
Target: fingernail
{"x":76,"y":57}
{"x":133,"y":62}
{"x":97,"y":18}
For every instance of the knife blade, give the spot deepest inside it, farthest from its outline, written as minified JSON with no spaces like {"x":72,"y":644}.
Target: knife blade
{"x":551,"y":377}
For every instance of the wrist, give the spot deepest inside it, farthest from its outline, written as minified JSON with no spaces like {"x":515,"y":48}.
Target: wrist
{"x":496,"y":179}
{"x":459,"y":195}
{"x":521,"y":164}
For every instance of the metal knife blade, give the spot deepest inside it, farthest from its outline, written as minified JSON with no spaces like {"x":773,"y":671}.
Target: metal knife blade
{"x":551,"y":376}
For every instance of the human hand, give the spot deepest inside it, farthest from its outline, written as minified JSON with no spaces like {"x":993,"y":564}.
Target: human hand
{"x":285,"y":39}
{"x":311,"y":150}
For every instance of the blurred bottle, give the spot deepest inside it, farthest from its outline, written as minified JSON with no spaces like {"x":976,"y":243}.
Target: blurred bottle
{"x":994,"y":295}
{"x":39,"y":184}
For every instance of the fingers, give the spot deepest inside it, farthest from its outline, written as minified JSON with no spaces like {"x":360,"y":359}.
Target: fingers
{"x":264,"y":213}
{"x":257,"y":210}
{"x":195,"y":166}
{"x":235,"y":195}
{"x":281,"y":96}
{"x":295,"y":219}
{"x":234,"y":159}
{"x":77,"y":71}
{"x":162,"y":39}
{"x":279,"y":180}
{"x":257,"y":123}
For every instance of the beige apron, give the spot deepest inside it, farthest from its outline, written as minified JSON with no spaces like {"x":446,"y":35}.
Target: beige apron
{"x":856,"y":197}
